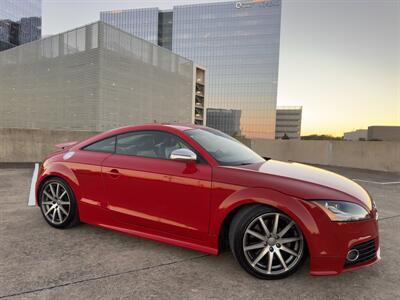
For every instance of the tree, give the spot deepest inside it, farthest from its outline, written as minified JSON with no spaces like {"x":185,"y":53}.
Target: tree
{"x":321,"y":137}
{"x":285,"y":137}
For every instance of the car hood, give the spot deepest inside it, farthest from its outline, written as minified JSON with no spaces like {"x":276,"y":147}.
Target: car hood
{"x":313,"y":175}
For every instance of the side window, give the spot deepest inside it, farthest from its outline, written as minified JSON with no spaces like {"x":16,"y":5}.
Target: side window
{"x":156,"y":144}
{"x":106,"y":145}
{"x":136,"y":144}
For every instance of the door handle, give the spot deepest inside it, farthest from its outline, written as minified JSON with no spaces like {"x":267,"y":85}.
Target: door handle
{"x":114,"y":173}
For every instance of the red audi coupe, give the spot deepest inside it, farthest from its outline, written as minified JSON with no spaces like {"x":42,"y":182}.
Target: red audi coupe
{"x":196,"y":187}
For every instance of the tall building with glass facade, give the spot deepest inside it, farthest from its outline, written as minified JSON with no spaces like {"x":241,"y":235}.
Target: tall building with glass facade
{"x":20,"y":22}
{"x":142,"y":23}
{"x":237,"y":42}
{"x":227,"y":120}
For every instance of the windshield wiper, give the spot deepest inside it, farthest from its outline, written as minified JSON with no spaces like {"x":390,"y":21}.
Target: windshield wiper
{"x":244,"y":163}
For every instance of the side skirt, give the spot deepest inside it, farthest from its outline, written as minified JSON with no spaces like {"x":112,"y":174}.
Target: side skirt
{"x":95,"y":215}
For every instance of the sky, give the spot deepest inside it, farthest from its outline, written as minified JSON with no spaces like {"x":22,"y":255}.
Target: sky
{"x":339,"y":59}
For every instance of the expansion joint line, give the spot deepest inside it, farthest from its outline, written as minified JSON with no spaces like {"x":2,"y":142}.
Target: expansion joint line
{"x":101,"y":277}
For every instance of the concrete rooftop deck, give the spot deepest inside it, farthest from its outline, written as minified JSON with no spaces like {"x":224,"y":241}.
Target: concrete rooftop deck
{"x":39,"y":262}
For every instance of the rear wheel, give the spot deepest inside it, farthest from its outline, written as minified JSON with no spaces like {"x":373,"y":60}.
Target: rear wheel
{"x":267,"y":243}
{"x":58,"y":204}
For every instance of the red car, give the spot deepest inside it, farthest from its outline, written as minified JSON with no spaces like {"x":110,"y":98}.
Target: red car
{"x":198,"y":188}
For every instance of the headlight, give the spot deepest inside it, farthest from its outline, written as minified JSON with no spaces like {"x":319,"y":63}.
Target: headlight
{"x":342,"y":211}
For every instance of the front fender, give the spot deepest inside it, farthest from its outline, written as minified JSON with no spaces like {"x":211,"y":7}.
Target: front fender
{"x":289,"y":205}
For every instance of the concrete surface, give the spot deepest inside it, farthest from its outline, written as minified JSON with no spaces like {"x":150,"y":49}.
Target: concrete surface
{"x":380,"y":156}
{"x":86,"y":262}
{"x":33,"y":145}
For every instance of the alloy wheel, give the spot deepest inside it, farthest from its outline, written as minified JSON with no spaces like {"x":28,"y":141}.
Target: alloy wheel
{"x":55,"y":203}
{"x":273,"y":244}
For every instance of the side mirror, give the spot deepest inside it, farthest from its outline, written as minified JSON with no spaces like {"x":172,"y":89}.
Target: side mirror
{"x":183,"y":154}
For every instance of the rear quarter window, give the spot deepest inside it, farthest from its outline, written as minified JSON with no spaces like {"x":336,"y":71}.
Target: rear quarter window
{"x":107,"y":145}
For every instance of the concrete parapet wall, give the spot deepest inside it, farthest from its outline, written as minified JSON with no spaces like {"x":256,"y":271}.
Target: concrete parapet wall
{"x":382,"y":156}
{"x":32,"y":145}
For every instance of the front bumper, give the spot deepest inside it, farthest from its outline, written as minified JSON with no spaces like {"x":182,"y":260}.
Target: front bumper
{"x":330,"y":244}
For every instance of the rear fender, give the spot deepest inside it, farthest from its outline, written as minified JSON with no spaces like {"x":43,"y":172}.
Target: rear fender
{"x":60,"y":170}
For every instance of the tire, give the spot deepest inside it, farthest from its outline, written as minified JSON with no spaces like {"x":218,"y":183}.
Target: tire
{"x":58,"y":204}
{"x":253,"y":246}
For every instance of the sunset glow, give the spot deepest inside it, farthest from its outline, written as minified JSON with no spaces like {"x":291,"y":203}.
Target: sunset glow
{"x":345,"y":72}
{"x":340,"y":60}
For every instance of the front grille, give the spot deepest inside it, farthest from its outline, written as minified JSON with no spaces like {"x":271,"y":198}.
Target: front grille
{"x":367,"y":252}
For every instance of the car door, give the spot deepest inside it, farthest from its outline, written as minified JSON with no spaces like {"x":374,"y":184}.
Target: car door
{"x":146,"y":188}
{"x":86,"y":164}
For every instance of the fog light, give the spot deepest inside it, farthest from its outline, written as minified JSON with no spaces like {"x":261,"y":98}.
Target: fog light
{"x":352,"y":255}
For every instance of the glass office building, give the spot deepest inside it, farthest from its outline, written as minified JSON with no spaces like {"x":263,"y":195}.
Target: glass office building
{"x":142,"y":23}
{"x":238,"y":43}
{"x":227,"y":120}
{"x":20,"y":22}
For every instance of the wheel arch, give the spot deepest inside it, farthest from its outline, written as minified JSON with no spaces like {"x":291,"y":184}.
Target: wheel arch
{"x":58,"y":171}
{"x":223,"y":237}
{"x":259,"y":196}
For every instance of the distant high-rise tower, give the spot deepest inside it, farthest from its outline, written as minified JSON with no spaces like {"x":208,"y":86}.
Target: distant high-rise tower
{"x":237,"y":42}
{"x":20,"y":22}
{"x":288,"y":122}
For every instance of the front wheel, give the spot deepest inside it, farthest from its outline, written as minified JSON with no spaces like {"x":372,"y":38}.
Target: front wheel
{"x":57,"y":203}
{"x":267,"y":243}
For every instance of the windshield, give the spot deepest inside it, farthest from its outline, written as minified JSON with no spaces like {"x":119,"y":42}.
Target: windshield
{"x":224,"y":149}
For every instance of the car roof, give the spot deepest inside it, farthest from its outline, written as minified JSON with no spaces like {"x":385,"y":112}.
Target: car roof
{"x":182,"y":127}
{"x":149,"y":126}
{"x":168,"y":127}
